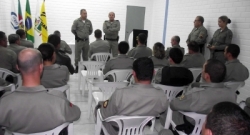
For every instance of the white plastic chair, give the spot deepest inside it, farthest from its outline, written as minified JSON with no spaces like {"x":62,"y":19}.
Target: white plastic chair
{"x":107,"y":89}
{"x":93,"y":72}
{"x":128,"y":125}
{"x":170,"y":91}
{"x":242,"y":104}
{"x":10,"y":87}
{"x":196,"y":72}
{"x":199,"y":120}
{"x":4,"y":73}
{"x":54,"y":131}
{"x":101,"y":56}
{"x":63,"y":89}
{"x":119,"y":75}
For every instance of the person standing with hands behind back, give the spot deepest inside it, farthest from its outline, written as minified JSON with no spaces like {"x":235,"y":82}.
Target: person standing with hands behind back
{"x":221,"y":38}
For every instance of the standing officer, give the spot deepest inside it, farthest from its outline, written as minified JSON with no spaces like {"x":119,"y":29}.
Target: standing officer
{"x":199,"y":33}
{"x":81,"y":28}
{"x":221,"y":38}
{"x":111,"y":29}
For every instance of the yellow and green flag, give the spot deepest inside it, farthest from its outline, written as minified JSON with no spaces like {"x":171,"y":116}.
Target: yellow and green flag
{"x":28,"y":23}
{"x":44,"y":30}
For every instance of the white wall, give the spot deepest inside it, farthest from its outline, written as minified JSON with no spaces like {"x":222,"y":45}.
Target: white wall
{"x":182,"y":14}
{"x":62,"y":13}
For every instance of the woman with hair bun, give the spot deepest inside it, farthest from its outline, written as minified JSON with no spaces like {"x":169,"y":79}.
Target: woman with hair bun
{"x":159,"y":59}
{"x":221,"y":38}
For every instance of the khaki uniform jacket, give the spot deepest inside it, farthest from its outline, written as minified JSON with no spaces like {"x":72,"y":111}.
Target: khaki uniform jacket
{"x":35,"y":109}
{"x":122,"y":61}
{"x":65,"y":47}
{"x":26,"y":43}
{"x":16,"y":48}
{"x":175,"y":46}
{"x":236,"y":71}
{"x":98,"y":46}
{"x":111,"y":29}
{"x":135,"y":100}
{"x":247,"y":107}
{"x":63,"y":59}
{"x":159,"y":62}
{"x":140,"y":51}
{"x":8,"y":59}
{"x":199,"y":35}
{"x":55,"y":76}
{"x":195,"y":60}
{"x":83,"y":30}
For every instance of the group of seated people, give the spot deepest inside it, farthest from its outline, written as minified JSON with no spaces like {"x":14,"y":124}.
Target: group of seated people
{"x":33,"y":108}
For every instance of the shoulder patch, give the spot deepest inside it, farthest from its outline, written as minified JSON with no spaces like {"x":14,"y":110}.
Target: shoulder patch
{"x":105,"y":103}
{"x":117,"y":20}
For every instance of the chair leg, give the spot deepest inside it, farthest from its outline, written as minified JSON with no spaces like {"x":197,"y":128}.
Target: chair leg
{"x":90,"y":100}
{"x":83,"y":85}
{"x":79,"y":81}
{"x":98,"y":126}
{"x":153,"y":125}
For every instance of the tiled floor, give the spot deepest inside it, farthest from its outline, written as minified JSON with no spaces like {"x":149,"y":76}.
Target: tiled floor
{"x":86,"y":126}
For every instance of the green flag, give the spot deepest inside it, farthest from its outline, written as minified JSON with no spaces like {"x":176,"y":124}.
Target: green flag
{"x":28,"y":23}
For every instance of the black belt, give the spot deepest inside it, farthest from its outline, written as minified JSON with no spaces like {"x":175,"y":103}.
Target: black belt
{"x":111,"y":39}
{"x":218,"y":50}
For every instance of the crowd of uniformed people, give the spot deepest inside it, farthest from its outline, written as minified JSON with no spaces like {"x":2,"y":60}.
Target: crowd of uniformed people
{"x":32,"y":108}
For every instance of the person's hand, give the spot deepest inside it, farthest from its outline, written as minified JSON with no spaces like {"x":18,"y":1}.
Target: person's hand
{"x":212,"y":47}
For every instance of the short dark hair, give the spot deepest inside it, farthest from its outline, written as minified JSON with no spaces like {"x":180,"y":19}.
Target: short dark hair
{"x":216,"y":70}
{"x":47,"y":50}
{"x":176,"y":55}
{"x":82,"y":10}
{"x":177,"y":39}
{"x":57,"y":33}
{"x":98,"y":33}
{"x":159,"y":50}
{"x":193,"y":46}
{"x":234,"y":50}
{"x":142,"y":38}
{"x":144,"y":68}
{"x":227,"y":118}
{"x":54,"y":40}
{"x":13,"y":38}
{"x":2,"y":35}
{"x":201,"y":19}
{"x":123,"y":47}
{"x":20,"y":32}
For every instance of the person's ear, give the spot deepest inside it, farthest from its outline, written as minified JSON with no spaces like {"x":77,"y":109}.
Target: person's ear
{"x":134,"y":74}
{"x":41,"y":68}
{"x":17,"y":67}
{"x":207,"y":132}
{"x":207,"y":77}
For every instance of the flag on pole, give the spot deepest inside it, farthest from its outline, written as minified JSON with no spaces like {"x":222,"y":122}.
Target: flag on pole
{"x":44,"y":30}
{"x":28,"y":23}
{"x":38,"y":28}
{"x":13,"y":20}
{"x":20,"y":16}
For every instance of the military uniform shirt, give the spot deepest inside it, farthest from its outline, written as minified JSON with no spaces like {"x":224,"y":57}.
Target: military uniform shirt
{"x":111,"y":29}
{"x":199,"y":35}
{"x":63,"y":59}
{"x":175,"y":46}
{"x":8,"y":59}
{"x":159,"y":62}
{"x":55,"y":76}
{"x":16,"y":48}
{"x":65,"y":47}
{"x":35,"y":109}
{"x":98,"y":46}
{"x":82,"y":29}
{"x":26,"y":43}
{"x":236,"y":71}
{"x":195,"y":60}
{"x":247,"y":107}
{"x":140,"y":51}
{"x":122,"y":61}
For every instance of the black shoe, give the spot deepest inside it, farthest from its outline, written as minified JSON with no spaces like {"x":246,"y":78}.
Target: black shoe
{"x":76,"y":70}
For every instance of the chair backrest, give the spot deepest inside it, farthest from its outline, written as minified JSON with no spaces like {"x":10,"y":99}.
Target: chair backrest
{"x":101,"y":56}
{"x":10,"y":87}
{"x":242,"y":104}
{"x":196,"y":72}
{"x":108,"y":88}
{"x":62,"y":88}
{"x":234,"y":85}
{"x":54,"y":131}
{"x":119,"y":75}
{"x":130,"y":125}
{"x":4,"y":73}
{"x":92,"y":68}
{"x":170,"y":91}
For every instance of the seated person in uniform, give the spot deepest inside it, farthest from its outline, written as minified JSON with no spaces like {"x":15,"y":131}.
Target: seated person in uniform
{"x":247,"y":107}
{"x":194,"y":59}
{"x":175,"y":74}
{"x":159,"y":55}
{"x":8,"y":57}
{"x":54,"y":75}
{"x":202,"y":97}
{"x":141,"y":50}
{"x":175,"y":42}
{"x":32,"y":108}
{"x":23,"y":41}
{"x":98,"y":46}
{"x":225,"y":118}
{"x":14,"y":41}
{"x":61,"y":57}
{"x":122,"y":61}
{"x":236,"y":71}
{"x":140,"y":99}
{"x":63,"y":45}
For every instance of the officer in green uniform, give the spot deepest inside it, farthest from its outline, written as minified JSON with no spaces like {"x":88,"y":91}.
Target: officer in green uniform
{"x":23,"y":41}
{"x":81,"y":28}
{"x":175,"y":42}
{"x":63,"y":45}
{"x":221,"y":38}
{"x":111,"y":29}
{"x":14,"y":41}
{"x":199,"y":33}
